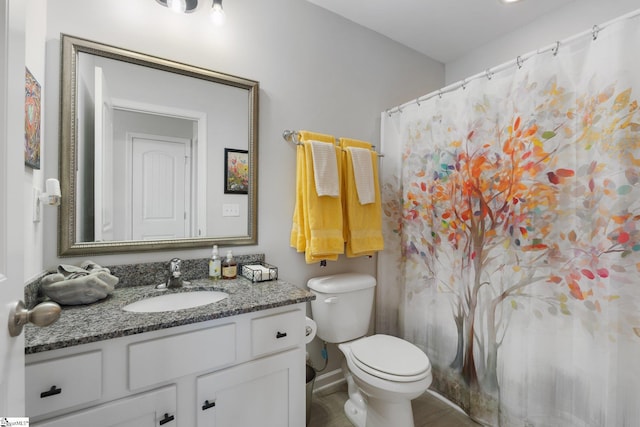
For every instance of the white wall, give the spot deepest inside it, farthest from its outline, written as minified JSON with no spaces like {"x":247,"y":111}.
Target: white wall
{"x":35,"y":27}
{"x":317,"y":71}
{"x":574,"y":18}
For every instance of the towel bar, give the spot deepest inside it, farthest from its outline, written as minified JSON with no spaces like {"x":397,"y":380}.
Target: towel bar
{"x":293,"y":136}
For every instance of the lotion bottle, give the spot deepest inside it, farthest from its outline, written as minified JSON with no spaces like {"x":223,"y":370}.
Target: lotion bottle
{"x":215,"y":264}
{"x":229,"y":267}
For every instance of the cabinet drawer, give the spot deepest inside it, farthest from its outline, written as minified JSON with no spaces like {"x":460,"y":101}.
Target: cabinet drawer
{"x":155,"y":361}
{"x":61,"y":383}
{"x":276,"y":332}
{"x":145,"y":409}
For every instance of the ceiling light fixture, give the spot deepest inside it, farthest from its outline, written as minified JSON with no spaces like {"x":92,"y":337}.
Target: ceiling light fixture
{"x":509,"y":1}
{"x":180,"y":6}
{"x":177,"y":6}
{"x":187,"y":6}
{"x":217,"y":13}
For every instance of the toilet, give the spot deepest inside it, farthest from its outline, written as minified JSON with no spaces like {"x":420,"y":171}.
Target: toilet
{"x":383,"y":373}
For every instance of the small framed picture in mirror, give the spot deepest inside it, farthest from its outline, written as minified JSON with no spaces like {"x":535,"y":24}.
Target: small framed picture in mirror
{"x":236,"y":171}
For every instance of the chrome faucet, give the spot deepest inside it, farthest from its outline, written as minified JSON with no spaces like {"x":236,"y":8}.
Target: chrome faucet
{"x":174,"y":280}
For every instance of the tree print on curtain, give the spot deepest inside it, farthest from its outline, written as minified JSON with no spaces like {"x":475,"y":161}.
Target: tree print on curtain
{"x":521,"y":242}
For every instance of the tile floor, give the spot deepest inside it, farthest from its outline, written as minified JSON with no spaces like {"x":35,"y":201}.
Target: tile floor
{"x":428,"y":411}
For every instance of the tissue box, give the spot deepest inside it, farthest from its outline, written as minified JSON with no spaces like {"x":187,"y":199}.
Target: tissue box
{"x":260,"y":272}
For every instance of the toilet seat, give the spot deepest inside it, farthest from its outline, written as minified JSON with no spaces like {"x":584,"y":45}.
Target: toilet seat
{"x":390,"y":358}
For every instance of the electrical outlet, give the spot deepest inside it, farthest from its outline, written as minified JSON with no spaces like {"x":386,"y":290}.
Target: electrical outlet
{"x":36,"y":205}
{"x":230,"y":210}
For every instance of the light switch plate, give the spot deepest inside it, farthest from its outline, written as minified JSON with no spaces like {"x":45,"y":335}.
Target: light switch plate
{"x":231,"y":209}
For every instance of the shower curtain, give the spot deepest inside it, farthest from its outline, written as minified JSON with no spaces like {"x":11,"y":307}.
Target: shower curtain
{"x":512,"y":231}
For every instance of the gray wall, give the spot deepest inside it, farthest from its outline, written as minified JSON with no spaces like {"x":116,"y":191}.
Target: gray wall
{"x":317,"y":71}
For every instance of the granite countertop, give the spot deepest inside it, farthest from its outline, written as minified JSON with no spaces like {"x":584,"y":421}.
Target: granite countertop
{"x":105,"y":319}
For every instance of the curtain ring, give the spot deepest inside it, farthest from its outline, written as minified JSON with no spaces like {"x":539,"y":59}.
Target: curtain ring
{"x":418,"y":101}
{"x":489,"y":74}
{"x":519,"y":61}
{"x":594,"y":31}
{"x":464,"y":84}
{"x":556,"y":48}
{"x":440,"y":93}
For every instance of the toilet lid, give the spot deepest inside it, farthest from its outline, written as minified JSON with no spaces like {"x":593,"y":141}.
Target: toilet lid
{"x":390,"y":355}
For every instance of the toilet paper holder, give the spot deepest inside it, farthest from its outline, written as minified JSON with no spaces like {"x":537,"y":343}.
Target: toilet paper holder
{"x":310,"y":329}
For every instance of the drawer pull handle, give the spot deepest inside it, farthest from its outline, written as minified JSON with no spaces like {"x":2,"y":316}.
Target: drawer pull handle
{"x":208,"y":405}
{"x":51,"y":392}
{"x":281,"y":335}
{"x":167,"y":419}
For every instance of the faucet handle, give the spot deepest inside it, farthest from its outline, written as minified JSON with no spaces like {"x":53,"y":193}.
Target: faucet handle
{"x":174,"y":265}
{"x":174,"y":280}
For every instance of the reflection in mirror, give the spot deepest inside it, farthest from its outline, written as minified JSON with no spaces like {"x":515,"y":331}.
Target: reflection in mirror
{"x":142,"y":152}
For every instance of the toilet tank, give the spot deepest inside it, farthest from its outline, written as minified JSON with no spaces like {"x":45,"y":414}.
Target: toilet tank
{"x":343,"y":305}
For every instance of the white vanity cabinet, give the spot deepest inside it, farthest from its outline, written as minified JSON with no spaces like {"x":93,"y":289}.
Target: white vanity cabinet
{"x":244,"y":370}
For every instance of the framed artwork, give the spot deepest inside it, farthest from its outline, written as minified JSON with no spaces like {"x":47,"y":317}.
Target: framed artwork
{"x":236,"y":171}
{"x":32,"y":104}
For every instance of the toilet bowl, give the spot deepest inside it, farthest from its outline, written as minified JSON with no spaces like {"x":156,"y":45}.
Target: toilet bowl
{"x":388,"y":372}
{"x":383,"y":373}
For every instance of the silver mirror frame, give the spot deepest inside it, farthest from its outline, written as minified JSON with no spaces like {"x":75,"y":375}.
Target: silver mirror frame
{"x":67,"y":246}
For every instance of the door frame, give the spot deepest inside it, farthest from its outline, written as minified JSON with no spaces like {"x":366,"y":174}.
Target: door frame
{"x":12,"y":218}
{"x":103,"y":152}
{"x":198,"y":154}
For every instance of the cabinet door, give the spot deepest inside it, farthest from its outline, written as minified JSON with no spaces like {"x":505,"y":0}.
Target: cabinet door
{"x":268,"y":392}
{"x":151,"y":409}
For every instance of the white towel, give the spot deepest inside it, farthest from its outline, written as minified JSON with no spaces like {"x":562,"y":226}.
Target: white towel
{"x":325,"y":168}
{"x":363,"y":174}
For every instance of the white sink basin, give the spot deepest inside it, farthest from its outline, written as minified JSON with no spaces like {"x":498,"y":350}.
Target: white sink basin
{"x":177,"y":301}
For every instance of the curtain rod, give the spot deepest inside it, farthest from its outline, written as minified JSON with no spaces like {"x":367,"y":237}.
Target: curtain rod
{"x":293,"y":136}
{"x":488,"y":73}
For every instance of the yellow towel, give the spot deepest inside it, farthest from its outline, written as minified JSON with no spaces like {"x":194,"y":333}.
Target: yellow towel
{"x":298,"y":239}
{"x":317,"y":220}
{"x":363,"y":223}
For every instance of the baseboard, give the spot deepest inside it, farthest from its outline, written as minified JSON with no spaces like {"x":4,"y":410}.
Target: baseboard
{"x":332,"y":381}
{"x":329,"y":381}
{"x":445,"y":400}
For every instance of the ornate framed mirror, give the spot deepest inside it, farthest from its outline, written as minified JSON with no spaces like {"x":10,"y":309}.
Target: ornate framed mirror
{"x":142,"y":153}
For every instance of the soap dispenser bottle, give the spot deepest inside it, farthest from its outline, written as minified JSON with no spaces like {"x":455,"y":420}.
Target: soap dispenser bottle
{"x":215,"y":264}
{"x":229,"y":267}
